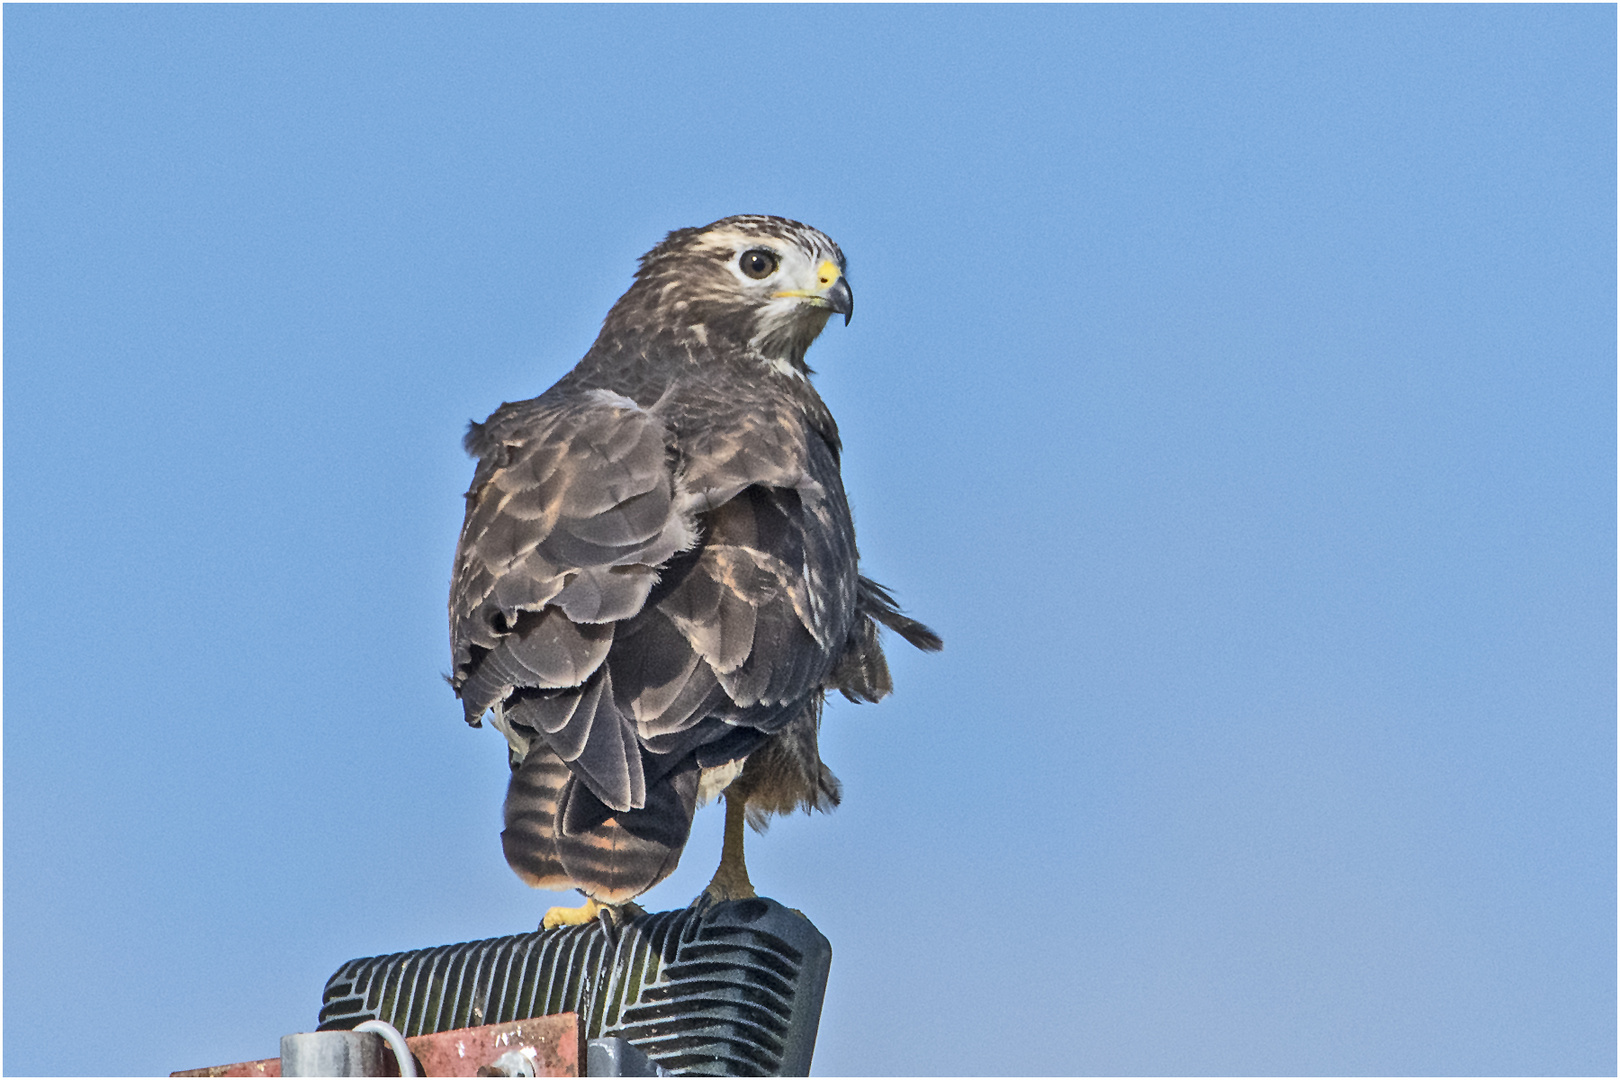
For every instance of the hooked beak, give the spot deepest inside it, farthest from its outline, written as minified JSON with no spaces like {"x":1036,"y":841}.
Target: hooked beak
{"x":841,"y":300}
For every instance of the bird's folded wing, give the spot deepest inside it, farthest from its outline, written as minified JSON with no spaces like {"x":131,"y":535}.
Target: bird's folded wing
{"x":573,"y":508}
{"x":766,"y":447}
{"x":627,"y":613}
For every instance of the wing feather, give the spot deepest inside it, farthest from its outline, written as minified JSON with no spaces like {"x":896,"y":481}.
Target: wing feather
{"x":552,"y":651}
{"x":652,"y":667}
{"x":574,"y":503}
{"x":599,"y":743}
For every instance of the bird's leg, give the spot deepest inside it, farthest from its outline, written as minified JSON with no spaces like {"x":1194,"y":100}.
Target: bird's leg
{"x":730,"y":880}
{"x":590,"y":911}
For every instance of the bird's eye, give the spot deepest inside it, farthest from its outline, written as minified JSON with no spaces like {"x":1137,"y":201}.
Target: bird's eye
{"x":758,"y":263}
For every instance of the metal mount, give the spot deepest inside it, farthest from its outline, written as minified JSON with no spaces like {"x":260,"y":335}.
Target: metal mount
{"x":732,"y":989}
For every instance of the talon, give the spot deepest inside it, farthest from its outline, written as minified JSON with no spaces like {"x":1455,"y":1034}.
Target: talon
{"x":728,"y":887}
{"x":572,"y":916}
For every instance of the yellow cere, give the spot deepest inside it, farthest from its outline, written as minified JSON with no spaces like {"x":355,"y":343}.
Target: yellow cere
{"x":826,"y":274}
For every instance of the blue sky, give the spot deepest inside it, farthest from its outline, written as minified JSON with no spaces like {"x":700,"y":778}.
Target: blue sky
{"x":1233,"y":388}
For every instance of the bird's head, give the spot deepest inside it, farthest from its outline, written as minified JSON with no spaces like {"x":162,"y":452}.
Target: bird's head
{"x":767,"y":283}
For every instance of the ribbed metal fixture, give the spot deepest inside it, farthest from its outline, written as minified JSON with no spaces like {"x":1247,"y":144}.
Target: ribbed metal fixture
{"x":732,"y":990}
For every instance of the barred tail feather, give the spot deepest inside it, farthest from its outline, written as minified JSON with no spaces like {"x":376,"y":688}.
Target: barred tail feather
{"x":532,"y":797}
{"x":614,"y":856}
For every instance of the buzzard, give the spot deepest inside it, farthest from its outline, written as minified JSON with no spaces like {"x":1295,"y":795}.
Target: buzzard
{"x":657,"y":582}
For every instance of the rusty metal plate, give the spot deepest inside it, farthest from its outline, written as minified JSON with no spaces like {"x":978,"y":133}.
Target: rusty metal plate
{"x":264,"y":1067}
{"x":555,"y":1043}
{"x":554,"y":1046}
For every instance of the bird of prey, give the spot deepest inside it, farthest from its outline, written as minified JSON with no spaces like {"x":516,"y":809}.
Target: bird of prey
{"x":657,"y":583}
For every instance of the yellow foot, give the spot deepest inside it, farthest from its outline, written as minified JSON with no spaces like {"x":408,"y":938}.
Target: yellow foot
{"x":588,"y":912}
{"x":572,"y":916}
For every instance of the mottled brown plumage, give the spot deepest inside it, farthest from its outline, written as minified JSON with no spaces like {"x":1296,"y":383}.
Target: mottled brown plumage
{"x":657,"y":576}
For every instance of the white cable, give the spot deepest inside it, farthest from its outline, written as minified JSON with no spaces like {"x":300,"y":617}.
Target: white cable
{"x":396,"y":1043}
